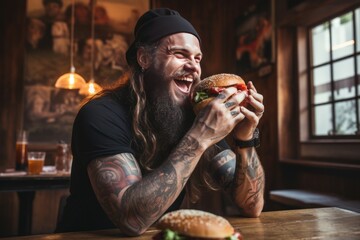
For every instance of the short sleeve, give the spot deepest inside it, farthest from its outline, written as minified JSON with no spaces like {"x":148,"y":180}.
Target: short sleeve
{"x":101,"y":128}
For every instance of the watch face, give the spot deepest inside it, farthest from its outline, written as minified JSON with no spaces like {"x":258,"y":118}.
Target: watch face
{"x":256,"y":133}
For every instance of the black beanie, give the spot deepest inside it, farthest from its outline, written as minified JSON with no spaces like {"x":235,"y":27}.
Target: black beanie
{"x":156,"y":24}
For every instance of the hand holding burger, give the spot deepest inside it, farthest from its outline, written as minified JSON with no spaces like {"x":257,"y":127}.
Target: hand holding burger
{"x":187,"y":224}
{"x":252,"y":106}
{"x":211,"y":86}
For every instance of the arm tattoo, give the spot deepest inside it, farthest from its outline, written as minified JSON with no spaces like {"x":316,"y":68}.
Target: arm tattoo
{"x":222,"y":167}
{"x":249,"y":180}
{"x":115,"y":172}
{"x":184,"y":157}
{"x":145,"y":203}
{"x":133,"y":203}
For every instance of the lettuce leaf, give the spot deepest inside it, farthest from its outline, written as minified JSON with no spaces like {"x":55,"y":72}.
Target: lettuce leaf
{"x":199,"y":96}
{"x":171,"y":235}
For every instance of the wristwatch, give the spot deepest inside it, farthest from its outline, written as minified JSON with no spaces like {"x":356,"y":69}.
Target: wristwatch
{"x":254,"y":142}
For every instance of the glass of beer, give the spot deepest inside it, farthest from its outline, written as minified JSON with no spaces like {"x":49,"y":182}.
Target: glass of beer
{"x":36,"y":162}
{"x":21,"y":151}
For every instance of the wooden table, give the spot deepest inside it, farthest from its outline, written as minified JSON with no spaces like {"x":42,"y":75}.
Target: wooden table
{"x":317,"y":223}
{"x":26,"y":186}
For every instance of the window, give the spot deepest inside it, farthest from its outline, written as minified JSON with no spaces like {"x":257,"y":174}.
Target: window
{"x":334,"y":65}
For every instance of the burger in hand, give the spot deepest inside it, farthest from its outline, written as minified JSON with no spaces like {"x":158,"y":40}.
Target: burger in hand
{"x":187,"y":224}
{"x":210,"y":87}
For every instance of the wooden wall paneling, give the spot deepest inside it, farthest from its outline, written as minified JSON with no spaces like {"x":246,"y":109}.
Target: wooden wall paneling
{"x":287,"y":92}
{"x":12,"y":15}
{"x":315,"y":11}
{"x":302,"y":75}
{"x":287,"y":128}
{"x":11,"y":77}
{"x":343,"y":183}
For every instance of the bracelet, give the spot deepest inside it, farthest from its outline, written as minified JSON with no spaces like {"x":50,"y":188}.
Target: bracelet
{"x":254,"y":142}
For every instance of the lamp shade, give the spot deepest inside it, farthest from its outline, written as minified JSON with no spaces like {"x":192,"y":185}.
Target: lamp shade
{"x":70,"y":80}
{"x":90,"y":88}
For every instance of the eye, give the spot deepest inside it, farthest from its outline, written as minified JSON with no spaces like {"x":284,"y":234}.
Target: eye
{"x":198,"y":59}
{"x":179,"y":54}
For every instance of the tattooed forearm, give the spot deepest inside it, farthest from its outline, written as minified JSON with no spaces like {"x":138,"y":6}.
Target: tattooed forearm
{"x":184,"y":156}
{"x":249,"y":182}
{"x":222,"y":167}
{"x":145,"y":202}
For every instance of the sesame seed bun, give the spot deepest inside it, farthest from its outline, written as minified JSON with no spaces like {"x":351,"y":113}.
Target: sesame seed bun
{"x":218,"y":80}
{"x":196,"y":223}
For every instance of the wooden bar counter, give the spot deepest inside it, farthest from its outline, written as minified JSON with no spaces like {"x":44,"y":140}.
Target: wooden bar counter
{"x":316,"y":223}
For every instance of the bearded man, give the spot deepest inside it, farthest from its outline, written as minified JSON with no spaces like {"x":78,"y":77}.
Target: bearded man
{"x":139,"y":150}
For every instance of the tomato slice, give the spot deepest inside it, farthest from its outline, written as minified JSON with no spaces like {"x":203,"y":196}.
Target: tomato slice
{"x":241,"y":87}
{"x":216,"y":90}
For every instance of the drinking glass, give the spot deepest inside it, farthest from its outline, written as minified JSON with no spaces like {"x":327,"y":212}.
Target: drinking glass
{"x":36,"y":162}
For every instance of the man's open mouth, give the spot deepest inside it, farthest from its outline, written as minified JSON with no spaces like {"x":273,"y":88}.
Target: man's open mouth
{"x":184,"y":84}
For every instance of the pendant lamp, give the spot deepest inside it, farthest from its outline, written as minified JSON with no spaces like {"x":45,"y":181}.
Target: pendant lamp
{"x":91,"y":87}
{"x":71,"y":80}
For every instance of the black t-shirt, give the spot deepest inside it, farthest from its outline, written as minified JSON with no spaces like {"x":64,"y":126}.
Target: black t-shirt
{"x":101,"y":128}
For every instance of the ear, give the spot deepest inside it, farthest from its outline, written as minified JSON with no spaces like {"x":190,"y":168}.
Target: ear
{"x":143,"y":58}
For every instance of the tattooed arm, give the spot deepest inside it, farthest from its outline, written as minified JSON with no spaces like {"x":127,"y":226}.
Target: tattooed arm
{"x":242,"y":175}
{"x":241,"y":167}
{"x":248,"y":185}
{"x":133,"y":202}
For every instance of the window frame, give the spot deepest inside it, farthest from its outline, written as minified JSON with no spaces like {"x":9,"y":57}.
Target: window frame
{"x":318,"y":149}
{"x":294,"y":146}
{"x":331,"y":62}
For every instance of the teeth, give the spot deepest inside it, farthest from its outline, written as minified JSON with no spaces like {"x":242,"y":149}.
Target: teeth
{"x":185,"y":79}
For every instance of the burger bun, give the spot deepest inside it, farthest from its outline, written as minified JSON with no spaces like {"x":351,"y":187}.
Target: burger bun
{"x":196,"y":223}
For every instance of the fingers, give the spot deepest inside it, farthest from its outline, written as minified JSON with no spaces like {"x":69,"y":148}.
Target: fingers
{"x":235,"y":112}
{"x":251,"y":86}
{"x":234,"y":100}
{"x":256,"y":95}
{"x":253,"y":92}
{"x":250,"y":115}
{"x":255,"y":99}
{"x":258,"y":106}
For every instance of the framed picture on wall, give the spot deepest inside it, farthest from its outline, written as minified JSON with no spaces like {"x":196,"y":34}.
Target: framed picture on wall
{"x":49,"y":112}
{"x":254,"y":51}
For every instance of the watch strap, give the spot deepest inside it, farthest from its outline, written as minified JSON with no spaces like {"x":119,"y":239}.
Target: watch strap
{"x":254,"y":142}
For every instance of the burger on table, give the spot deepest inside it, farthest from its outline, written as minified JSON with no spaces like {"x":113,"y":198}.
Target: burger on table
{"x":190,"y":224}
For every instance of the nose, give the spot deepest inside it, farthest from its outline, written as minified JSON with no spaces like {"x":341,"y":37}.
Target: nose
{"x":193,"y":65}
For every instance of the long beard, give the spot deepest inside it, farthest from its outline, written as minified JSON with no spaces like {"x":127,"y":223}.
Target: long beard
{"x":170,"y":122}
{"x":169,"y":119}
